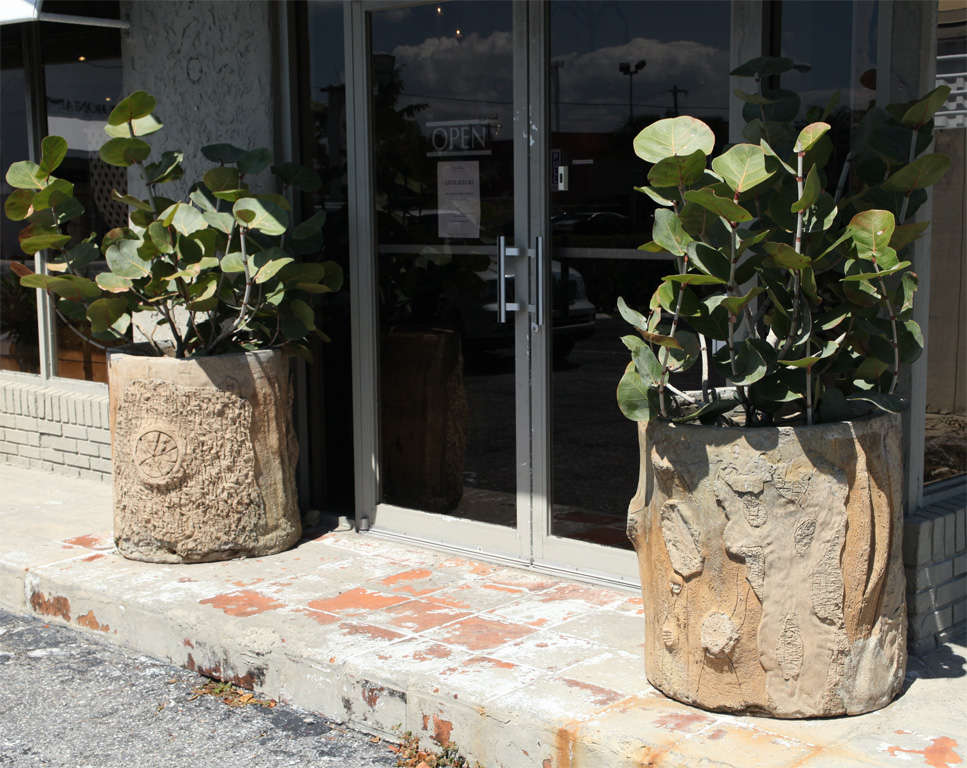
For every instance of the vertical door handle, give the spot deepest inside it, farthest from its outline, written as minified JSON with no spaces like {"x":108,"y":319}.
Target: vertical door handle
{"x":501,"y":286}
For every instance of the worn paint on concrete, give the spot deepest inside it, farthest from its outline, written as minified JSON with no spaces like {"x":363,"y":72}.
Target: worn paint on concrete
{"x":519,"y":669}
{"x":939,"y":754}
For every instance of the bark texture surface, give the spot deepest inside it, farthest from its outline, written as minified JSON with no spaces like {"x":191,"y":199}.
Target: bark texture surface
{"x":204,"y":457}
{"x":771,"y":565}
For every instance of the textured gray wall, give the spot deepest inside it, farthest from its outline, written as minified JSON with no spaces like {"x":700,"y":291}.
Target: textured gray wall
{"x":209,"y":65}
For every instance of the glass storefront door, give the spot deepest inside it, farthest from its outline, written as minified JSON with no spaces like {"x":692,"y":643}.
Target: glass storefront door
{"x":498,"y":167}
{"x":448,"y":264}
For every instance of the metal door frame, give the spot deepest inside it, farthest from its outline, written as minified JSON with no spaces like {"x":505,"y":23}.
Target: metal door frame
{"x":470,"y":536}
{"x":531,"y":542}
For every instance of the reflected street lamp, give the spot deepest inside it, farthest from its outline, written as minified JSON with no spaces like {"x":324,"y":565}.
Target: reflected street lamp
{"x":625,"y":68}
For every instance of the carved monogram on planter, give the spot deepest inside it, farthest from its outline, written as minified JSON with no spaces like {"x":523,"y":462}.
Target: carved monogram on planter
{"x":188,"y":452}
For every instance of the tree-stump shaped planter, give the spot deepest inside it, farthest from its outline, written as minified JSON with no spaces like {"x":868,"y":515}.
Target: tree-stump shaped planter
{"x":204,"y":456}
{"x":771,"y":565}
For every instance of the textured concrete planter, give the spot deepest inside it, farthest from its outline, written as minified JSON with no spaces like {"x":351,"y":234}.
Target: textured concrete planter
{"x":204,"y":456}
{"x":771,"y":566}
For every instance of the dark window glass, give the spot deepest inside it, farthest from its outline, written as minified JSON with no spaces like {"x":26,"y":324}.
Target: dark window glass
{"x":322,"y":85}
{"x":443,"y":166}
{"x":18,"y":306}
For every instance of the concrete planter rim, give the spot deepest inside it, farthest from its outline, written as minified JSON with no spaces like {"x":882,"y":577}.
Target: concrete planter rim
{"x":736,"y":432}
{"x":144,"y":350}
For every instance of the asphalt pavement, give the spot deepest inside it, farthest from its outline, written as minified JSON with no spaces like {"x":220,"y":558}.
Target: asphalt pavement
{"x":67,"y":699}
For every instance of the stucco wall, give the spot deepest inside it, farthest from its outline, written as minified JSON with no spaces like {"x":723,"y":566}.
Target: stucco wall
{"x":209,"y":65}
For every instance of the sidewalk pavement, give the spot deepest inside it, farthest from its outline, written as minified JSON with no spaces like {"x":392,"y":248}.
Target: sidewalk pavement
{"x":518,"y":669}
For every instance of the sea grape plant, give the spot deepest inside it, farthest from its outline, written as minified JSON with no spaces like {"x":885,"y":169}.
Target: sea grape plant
{"x":220,"y":268}
{"x":798,"y":275}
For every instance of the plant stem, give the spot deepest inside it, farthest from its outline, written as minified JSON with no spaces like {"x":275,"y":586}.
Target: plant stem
{"x":795,"y":291}
{"x":664,"y":350}
{"x":841,"y":183}
{"x":703,"y":346}
{"x":896,"y":338}
{"x":730,"y":290}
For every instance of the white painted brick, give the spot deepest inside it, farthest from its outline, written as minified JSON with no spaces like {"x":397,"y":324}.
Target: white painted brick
{"x":105,"y":410}
{"x":52,"y":455}
{"x":72,"y":430}
{"x":54,"y":407}
{"x":102,"y":436}
{"x":12,"y":449}
{"x":89,"y":410}
{"x":105,"y":451}
{"x":76,"y":460}
{"x":29,"y":451}
{"x":65,"y":408}
{"x":7,"y":420}
{"x":51,"y":428}
{"x":60,"y":443}
{"x":18,"y":436}
{"x":27,"y":423}
{"x":40,"y":405}
{"x":15,"y":461}
{"x":102,"y":465}
{"x":88,"y":448}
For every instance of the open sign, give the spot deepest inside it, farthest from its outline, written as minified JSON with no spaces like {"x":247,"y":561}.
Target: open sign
{"x":461,"y":137}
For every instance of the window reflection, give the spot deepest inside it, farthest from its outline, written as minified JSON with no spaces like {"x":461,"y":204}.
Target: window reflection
{"x":18,"y":307}
{"x":82,"y":69}
{"x":443,"y":162}
{"x":615,"y":68}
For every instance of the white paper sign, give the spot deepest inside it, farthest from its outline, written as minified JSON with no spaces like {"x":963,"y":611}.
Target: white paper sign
{"x":458,"y":199}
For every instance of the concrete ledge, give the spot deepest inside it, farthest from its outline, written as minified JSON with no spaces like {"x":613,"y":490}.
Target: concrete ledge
{"x":518,"y":669}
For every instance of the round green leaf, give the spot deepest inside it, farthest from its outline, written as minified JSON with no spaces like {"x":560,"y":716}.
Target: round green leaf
{"x":872,"y":230}
{"x":255,"y":161}
{"x":921,"y":173}
{"x":222,"y":153}
{"x":810,"y":192}
{"x":220,"y":178}
{"x":693,"y":278}
{"x":678,"y":170}
{"x":53,"y":150}
{"x":635,"y":398}
{"x":809,"y":136}
{"x":143,"y":126}
{"x":673,"y":136}
{"x":43,"y":240}
{"x":923,"y":110}
{"x":19,"y":204}
{"x":298,"y":176}
{"x":103,"y":313}
{"x":653,"y":194}
{"x":785,"y":256}
{"x":667,"y":232}
{"x":742,"y":167}
{"x":124,"y":152}
{"x":138,"y":104}
{"x":262,"y":215}
{"x":112,"y":283}
{"x":25,"y":174}
{"x":123,"y":259}
{"x":772,"y":158}
{"x":720,"y":206}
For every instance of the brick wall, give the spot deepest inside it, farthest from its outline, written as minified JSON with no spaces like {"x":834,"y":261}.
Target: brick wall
{"x":935,"y":556}
{"x":59,"y":426}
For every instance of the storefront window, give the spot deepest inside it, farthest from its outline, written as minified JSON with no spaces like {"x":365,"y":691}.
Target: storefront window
{"x":945,"y":440}
{"x":19,"y":349}
{"x":323,"y":138}
{"x":615,"y":68}
{"x":82,"y":68}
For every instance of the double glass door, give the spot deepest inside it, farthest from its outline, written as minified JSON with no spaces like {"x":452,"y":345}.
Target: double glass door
{"x":494,"y":164}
